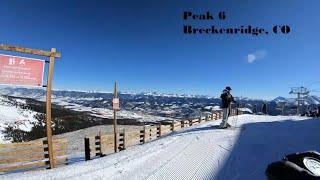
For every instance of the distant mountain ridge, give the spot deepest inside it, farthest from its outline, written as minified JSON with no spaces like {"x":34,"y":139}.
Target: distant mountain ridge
{"x":310,"y":100}
{"x":38,"y":92}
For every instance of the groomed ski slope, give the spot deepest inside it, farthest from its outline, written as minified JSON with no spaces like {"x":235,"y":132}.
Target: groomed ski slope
{"x":200,"y":152}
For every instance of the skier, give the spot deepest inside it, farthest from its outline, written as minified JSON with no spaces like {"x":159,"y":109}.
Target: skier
{"x":226,"y":99}
{"x":264,"y":108}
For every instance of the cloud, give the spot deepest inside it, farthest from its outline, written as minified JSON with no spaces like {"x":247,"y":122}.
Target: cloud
{"x":251,"y":58}
{"x":259,"y":54}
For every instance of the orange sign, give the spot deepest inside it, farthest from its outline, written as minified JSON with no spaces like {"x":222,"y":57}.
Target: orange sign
{"x":21,"y":71}
{"x":116,"y":103}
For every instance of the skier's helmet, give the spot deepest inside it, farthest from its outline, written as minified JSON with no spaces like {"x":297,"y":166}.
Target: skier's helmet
{"x":228,"y":88}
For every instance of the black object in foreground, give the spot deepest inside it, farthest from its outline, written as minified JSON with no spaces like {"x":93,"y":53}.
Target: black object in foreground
{"x":298,"y":166}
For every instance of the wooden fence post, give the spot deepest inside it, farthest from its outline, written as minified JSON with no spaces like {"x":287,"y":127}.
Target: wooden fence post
{"x":144,"y":134}
{"x":87,"y":148}
{"x":172,"y":125}
{"x":100,"y":144}
{"x":124,"y":139}
{"x":115,"y":121}
{"x":160,"y":130}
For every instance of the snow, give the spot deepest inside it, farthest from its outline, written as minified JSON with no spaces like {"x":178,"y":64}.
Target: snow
{"x":216,"y":108}
{"x":245,"y":110}
{"x":139,"y":116}
{"x":14,"y":116}
{"x":200,"y":152}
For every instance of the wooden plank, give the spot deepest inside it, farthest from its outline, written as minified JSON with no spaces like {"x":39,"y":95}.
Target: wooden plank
{"x":57,"y":154}
{"x":29,"y":51}
{"x":165,"y":129}
{"x":23,"y":166}
{"x":195,"y":120}
{"x":92,"y":146}
{"x":61,"y":140}
{"x":132,"y":138}
{"x":177,"y":125}
{"x":186,"y":123}
{"x":17,"y":152}
{"x":22,"y":144}
{"x":144,"y":134}
{"x":35,"y":157}
{"x":60,"y":145}
{"x":107,"y":144}
{"x":27,"y":145}
{"x":151,"y":133}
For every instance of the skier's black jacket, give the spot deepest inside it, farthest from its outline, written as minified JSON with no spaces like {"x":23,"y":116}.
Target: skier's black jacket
{"x":226,"y":99}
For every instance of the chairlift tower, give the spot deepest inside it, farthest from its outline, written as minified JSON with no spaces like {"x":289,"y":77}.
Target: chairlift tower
{"x":302,"y":93}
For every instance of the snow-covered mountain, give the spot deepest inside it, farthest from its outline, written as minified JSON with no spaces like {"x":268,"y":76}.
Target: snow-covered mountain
{"x":39,"y":93}
{"x":156,"y":104}
{"x":310,"y":100}
{"x":19,"y":106}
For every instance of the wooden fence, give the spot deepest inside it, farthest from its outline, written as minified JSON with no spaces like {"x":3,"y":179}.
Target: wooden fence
{"x":34,"y":154}
{"x":103,"y":144}
{"x":31,"y":155}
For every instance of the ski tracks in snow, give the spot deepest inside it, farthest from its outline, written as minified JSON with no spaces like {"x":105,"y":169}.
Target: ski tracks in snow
{"x":199,"y":160}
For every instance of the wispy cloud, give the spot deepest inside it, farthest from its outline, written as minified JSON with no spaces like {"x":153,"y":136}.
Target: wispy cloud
{"x":259,"y":54}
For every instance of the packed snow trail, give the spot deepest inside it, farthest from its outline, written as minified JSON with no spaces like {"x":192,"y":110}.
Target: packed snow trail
{"x":200,"y":152}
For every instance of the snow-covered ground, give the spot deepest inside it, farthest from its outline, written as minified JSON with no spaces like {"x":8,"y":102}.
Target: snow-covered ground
{"x":108,"y":113}
{"x":14,"y":116}
{"x":200,"y":152}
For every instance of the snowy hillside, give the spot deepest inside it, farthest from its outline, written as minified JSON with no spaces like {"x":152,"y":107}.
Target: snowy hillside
{"x":12,"y":115}
{"x":132,"y":105}
{"x":200,"y":152}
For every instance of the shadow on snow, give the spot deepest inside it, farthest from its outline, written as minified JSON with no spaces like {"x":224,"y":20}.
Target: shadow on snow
{"x":261,"y":143}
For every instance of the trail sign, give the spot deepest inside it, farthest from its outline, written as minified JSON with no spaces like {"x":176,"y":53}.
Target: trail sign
{"x":33,"y":79}
{"x":16,"y":70}
{"x":115,"y":104}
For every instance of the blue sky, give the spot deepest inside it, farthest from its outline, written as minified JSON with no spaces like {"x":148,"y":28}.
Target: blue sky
{"x":141,"y":45}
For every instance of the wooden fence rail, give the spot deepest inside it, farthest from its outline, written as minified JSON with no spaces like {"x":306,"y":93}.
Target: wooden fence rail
{"x":31,"y":155}
{"x":103,"y":144}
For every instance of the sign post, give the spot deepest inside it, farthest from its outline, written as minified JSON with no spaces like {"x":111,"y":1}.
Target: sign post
{"x":48,"y":108}
{"x":115,"y":107}
{"x":25,"y":71}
